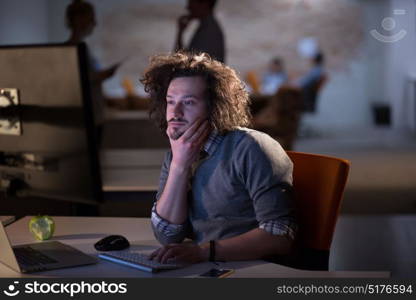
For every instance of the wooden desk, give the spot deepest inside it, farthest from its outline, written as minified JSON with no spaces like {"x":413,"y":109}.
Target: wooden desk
{"x":83,"y":232}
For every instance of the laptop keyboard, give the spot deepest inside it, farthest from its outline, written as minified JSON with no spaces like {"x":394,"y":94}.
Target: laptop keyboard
{"x":31,"y":257}
{"x":138,"y":260}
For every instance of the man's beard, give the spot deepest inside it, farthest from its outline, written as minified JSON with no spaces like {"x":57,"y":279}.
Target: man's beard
{"x":176,"y":134}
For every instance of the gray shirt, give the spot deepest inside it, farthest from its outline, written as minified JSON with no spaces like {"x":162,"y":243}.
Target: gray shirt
{"x":244,"y":182}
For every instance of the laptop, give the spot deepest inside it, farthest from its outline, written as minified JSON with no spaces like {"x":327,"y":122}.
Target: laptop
{"x":41,"y":256}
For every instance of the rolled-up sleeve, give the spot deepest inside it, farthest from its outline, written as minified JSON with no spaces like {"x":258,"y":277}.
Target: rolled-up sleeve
{"x":277,"y":227}
{"x":267,"y":172}
{"x":165,"y":232}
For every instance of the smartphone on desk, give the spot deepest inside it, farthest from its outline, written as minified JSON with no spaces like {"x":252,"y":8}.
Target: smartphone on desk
{"x":217,"y":273}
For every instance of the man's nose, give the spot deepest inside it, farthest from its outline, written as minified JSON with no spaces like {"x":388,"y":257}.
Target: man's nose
{"x":178,"y":110}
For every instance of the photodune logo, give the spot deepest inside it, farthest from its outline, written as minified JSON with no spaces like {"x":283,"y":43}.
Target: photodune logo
{"x":11,"y":291}
{"x":389,"y":24}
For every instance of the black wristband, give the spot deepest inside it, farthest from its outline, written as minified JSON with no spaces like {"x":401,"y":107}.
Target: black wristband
{"x":212,"y":251}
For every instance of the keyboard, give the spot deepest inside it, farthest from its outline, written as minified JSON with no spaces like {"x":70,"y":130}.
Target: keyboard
{"x":30,"y":257}
{"x":137,"y":260}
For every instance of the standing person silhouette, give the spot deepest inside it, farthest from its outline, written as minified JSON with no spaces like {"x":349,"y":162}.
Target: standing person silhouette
{"x":208,"y":37}
{"x":80,"y":20}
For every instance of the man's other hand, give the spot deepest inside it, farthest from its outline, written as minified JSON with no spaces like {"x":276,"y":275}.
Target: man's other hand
{"x":180,"y":253}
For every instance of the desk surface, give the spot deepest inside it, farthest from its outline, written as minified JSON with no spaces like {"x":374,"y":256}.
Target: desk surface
{"x":83,"y":232}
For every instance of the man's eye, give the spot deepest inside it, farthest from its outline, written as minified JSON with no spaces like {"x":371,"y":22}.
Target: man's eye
{"x":189,"y":102}
{"x":169,"y":102}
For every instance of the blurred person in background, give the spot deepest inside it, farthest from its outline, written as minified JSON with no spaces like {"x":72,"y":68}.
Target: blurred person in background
{"x":81,"y":21}
{"x":208,"y":37}
{"x":311,"y":83}
{"x":274,"y":77}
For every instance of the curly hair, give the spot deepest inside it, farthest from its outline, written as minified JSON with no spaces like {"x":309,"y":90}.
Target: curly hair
{"x":227,"y":99}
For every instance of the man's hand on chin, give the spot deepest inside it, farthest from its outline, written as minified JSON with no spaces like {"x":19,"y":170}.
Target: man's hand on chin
{"x":186,"y":148}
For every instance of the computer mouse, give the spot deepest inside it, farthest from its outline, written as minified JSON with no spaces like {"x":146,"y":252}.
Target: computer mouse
{"x":112,"y":242}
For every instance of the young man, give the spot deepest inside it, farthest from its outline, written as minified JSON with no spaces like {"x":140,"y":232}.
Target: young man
{"x":208,"y":37}
{"x":225,"y":186}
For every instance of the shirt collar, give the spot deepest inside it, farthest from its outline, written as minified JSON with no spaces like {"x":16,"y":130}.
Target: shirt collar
{"x":213,"y":141}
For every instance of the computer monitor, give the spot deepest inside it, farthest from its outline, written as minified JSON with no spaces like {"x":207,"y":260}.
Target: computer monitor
{"x":48,"y":144}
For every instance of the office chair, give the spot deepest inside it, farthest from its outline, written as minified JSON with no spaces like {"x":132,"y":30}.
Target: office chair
{"x":280,"y":118}
{"x":319,"y":183}
{"x":288,"y":115}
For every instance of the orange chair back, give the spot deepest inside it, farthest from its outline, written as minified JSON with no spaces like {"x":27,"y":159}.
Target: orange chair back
{"x":253,"y":80}
{"x":319,"y":183}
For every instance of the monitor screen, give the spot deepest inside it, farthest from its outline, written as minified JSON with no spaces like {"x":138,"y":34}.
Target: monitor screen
{"x":47,"y":135}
